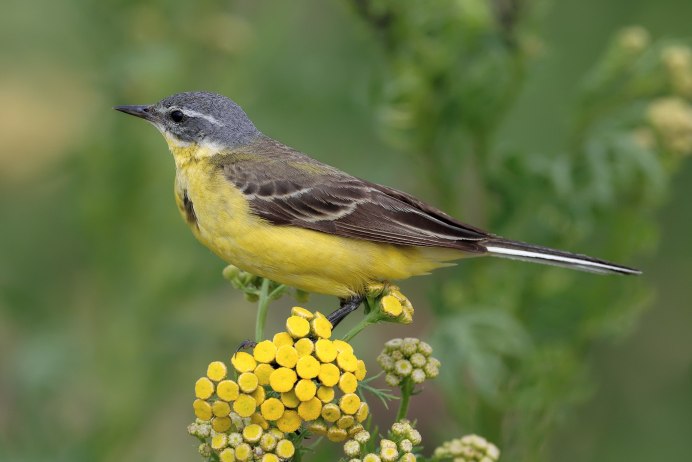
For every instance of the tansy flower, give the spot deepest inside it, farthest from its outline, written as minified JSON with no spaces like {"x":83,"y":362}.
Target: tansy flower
{"x":398,"y":446}
{"x":408,"y":358}
{"x":470,"y":448}
{"x":299,"y":376}
{"x":392,"y":304}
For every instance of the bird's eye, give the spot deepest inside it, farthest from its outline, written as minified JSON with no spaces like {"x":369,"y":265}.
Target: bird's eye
{"x":177,"y":116}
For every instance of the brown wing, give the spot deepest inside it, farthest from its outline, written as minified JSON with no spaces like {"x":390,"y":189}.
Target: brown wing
{"x":286,"y":187}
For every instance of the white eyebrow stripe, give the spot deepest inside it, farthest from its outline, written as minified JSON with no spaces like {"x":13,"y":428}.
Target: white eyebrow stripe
{"x":207,"y":117}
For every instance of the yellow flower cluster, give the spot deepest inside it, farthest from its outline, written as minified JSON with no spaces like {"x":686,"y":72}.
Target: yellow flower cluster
{"x":403,"y":438}
{"x":298,"y":376}
{"x":470,"y":448}
{"x":408,"y":357}
{"x":393,"y":304}
{"x":243,"y":441}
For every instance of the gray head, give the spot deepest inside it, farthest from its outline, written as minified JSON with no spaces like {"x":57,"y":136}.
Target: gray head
{"x":196,"y":117}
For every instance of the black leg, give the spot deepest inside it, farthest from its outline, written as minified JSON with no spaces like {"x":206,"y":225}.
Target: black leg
{"x":348,"y":305}
{"x":245,"y":344}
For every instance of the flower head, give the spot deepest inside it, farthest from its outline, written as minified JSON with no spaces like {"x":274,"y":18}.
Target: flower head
{"x":299,"y":376}
{"x":399,"y":445}
{"x":470,"y":448}
{"x":391,"y":304}
{"x":408,"y":358}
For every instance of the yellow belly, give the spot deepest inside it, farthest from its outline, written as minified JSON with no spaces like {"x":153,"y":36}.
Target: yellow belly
{"x":309,"y":260}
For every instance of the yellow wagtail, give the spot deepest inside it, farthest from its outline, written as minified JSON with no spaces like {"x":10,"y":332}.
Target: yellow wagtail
{"x":277,"y":213}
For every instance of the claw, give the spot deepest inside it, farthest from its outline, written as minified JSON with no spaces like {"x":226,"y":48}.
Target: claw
{"x":347,"y":306}
{"x":245,"y":344}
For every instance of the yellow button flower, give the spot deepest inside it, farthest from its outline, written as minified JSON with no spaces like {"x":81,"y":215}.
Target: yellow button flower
{"x":286,"y":356}
{"x":268,"y":441}
{"x":252,"y":433}
{"x":307,"y":367}
{"x":247,"y":382}
{"x":290,"y":399}
{"x":221,"y":424}
{"x":331,"y":412}
{"x":346,"y":422}
{"x":272,"y":409}
{"x":298,"y":327}
{"x":302,"y":313}
{"x":310,"y":410}
{"x":340,"y":346}
{"x":360,"y":370}
{"x":202,"y":409}
{"x":304,"y":347}
{"x":259,"y":394}
{"x":243,"y":362}
{"x":349,"y":403}
{"x":321,"y":327}
{"x":243,"y":452}
{"x":305,"y":389}
{"x":289,"y":421}
{"x":318,"y":428}
{"x":391,"y":306}
{"x":347,"y":361}
{"x":204,"y":388}
{"x":264,"y":351}
{"x":363,"y":412}
{"x":325,"y":350}
{"x":217,"y":371}
{"x":263,"y":371}
{"x":219,"y":441}
{"x":227,"y":390}
{"x":329,"y":374}
{"x":227,"y":455}
{"x":325,"y":394}
{"x":220,"y":408}
{"x":245,"y":405}
{"x":281,"y":339}
{"x":285,"y":449}
{"x":336,"y":434}
{"x":282,"y":379}
{"x":348,"y":382}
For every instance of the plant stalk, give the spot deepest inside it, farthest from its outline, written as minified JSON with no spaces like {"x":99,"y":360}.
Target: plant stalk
{"x":262,"y":308}
{"x":406,"y":392}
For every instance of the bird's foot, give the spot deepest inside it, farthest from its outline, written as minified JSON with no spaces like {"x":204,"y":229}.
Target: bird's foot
{"x":347,"y":306}
{"x":245,"y":344}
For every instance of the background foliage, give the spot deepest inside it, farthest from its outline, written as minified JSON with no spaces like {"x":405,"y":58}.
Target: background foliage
{"x":109,"y":309}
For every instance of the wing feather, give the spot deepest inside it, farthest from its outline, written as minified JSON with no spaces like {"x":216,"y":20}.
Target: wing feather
{"x":286,"y":187}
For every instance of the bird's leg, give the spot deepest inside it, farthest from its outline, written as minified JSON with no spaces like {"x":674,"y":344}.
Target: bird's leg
{"x":347,"y":306}
{"x":245,"y":344}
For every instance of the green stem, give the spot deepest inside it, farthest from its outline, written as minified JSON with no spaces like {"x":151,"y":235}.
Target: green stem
{"x":406,"y":392}
{"x":262,"y":306}
{"x":372,"y":317}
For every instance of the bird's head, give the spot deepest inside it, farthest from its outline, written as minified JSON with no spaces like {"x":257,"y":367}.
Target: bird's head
{"x":197,"y":119}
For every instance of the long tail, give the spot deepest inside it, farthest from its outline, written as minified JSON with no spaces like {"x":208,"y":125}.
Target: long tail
{"x":534,"y":253}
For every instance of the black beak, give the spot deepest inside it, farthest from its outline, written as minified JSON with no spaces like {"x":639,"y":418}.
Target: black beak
{"x":138,"y":111}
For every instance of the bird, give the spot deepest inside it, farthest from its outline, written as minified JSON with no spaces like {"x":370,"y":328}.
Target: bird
{"x":277,"y":213}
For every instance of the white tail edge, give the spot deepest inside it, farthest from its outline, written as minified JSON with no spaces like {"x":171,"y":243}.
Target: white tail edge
{"x":527,"y":252}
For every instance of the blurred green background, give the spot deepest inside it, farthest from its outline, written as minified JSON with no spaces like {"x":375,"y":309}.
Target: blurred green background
{"x":109,"y":309}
